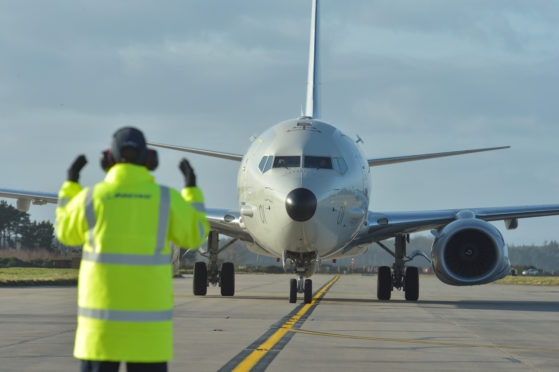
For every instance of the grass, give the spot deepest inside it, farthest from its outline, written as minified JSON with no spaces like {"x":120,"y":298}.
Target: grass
{"x":29,"y":254}
{"x":530,"y":280}
{"x":25,"y":276}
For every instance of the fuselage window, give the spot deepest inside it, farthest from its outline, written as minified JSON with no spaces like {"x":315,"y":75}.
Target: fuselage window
{"x":287,"y":161}
{"x":340,"y":165}
{"x":317,"y":162}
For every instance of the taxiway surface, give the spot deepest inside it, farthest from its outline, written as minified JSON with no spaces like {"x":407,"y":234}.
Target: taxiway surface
{"x":492,"y":327}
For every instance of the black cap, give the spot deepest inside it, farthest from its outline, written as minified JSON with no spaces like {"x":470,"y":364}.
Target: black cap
{"x":129,"y":137}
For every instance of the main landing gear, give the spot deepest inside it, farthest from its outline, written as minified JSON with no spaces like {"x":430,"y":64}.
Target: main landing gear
{"x":303,"y":264}
{"x":204,"y":275}
{"x":401,"y":277}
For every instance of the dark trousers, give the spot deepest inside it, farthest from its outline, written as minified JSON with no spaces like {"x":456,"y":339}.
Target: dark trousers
{"x":100,"y":366}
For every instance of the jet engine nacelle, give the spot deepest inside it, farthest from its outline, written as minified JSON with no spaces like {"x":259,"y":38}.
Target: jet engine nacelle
{"x":470,"y":251}
{"x":23,"y":205}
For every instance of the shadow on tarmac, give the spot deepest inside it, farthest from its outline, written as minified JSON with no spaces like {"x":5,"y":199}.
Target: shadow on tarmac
{"x":505,"y":305}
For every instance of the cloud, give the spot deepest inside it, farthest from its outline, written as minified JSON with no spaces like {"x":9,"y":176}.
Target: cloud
{"x":409,"y":77}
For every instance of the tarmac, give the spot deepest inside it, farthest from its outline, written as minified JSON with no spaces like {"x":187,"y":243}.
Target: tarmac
{"x":492,"y":327}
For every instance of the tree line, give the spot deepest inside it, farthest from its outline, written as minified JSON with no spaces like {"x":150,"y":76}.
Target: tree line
{"x":544,"y":257}
{"x":17,"y":231}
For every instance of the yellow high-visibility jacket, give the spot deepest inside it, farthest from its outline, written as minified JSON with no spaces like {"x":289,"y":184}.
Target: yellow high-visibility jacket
{"x":125,"y":297}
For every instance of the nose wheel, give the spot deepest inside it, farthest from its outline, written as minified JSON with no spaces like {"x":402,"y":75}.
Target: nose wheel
{"x":300,"y":286}
{"x":308,"y":291}
{"x":293,"y":291}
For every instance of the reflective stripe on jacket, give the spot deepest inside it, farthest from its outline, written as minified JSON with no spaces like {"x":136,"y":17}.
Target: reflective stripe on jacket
{"x":125,"y":297}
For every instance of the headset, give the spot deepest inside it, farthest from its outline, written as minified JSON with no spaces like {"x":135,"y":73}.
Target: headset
{"x":151,"y":162}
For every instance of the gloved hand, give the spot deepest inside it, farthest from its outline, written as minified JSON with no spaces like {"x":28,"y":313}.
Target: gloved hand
{"x":188,"y":173}
{"x":76,"y":167}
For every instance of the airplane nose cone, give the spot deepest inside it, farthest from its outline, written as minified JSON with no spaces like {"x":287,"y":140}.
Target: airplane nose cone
{"x":300,"y":204}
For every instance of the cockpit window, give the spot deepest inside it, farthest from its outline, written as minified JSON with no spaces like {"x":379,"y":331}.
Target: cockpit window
{"x":287,"y":161}
{"x":262,"y":163}
{"x":313,"y":162}
{"x":317,"y":162}
{"x":268,"y":164}
{"x":340,"y":165}
{"x":265,"y":163}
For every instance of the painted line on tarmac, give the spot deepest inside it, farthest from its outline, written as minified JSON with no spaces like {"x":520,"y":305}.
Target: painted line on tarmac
{"x":258,"y":355}
{"x":440,"y":343}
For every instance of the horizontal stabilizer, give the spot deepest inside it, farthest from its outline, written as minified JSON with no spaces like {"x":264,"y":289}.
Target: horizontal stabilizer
{"x":403,"y":159}
{"x":215,"y":154}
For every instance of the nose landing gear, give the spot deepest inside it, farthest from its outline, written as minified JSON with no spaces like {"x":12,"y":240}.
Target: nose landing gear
{"x":303,"y":264}
{"x":300,"y":285}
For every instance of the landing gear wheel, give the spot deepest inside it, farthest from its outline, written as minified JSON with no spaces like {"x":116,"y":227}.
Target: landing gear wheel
{"x":308,"y":291}
{"x":411,"y":283}
{"x":384,"y":283}
{"x":200,"y":282}
{"x":227,"y":279}
{"x":292,"y":291}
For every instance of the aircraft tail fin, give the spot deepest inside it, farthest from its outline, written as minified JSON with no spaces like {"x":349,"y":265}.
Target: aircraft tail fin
{"x":312,"y":104}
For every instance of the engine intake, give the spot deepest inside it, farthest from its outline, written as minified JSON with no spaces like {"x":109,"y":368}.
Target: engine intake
{"x":470,"y":251}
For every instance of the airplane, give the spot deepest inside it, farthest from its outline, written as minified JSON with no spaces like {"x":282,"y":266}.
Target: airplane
{"x":304,"y":188}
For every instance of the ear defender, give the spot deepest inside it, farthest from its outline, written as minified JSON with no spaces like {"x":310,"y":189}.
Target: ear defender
{"x":106,"y":160}
{"x":152,"y":160}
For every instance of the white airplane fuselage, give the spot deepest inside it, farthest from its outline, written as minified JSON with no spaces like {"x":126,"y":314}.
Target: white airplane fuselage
{"x":331,"y":167}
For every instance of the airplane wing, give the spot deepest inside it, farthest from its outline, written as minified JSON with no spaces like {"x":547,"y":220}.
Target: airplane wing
{"x":228,"y":223}
{"x":215,"y":154}
{"x":403,"y":159}
{"x":384,"y":225}
{"x":25,"y":198}
{"x":224,"y":221}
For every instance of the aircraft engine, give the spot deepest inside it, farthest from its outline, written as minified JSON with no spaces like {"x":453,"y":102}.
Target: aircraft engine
{"x":23,"y":205}
{"x":470,"y":251}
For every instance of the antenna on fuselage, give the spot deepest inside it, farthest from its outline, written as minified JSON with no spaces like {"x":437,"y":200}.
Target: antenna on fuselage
{"x":312,"y":105}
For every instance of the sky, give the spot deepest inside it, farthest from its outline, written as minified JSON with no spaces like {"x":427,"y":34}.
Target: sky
{"x":408,"y":77}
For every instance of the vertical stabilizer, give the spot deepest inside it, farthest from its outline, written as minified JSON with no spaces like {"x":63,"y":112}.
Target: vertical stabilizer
{"x":312,"y":105}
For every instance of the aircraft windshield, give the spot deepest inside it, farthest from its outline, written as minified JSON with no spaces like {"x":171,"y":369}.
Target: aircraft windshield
{"x":287,"y":161}
{"x":318,"y":162}
{"x":312,"y":162}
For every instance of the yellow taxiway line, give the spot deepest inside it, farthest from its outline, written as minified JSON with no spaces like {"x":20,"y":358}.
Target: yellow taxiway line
{"x":253,"y":358}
